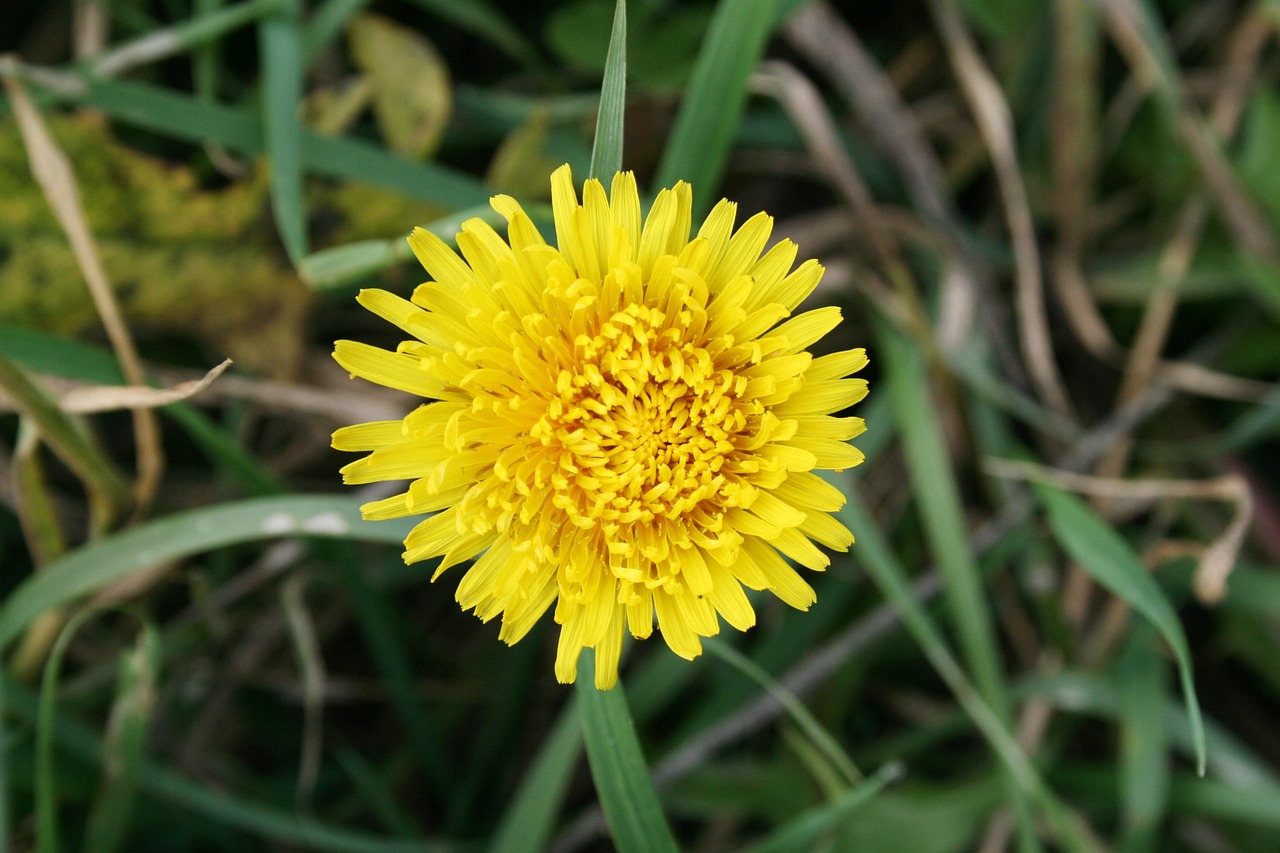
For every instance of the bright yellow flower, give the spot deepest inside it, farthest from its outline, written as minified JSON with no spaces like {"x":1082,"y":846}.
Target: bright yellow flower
{"x":622,"y":426}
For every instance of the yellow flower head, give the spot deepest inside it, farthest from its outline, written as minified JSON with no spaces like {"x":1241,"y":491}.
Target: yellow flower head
{"x":622,"y":426}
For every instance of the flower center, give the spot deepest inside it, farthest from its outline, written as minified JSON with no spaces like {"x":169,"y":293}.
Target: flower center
{"x":644,"y":426}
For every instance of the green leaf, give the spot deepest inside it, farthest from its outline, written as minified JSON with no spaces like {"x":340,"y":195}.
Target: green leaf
{"x":184,"y":117}
{"x":698,"y":148}
{"x":606,"y":151}
{"x":1139,"y":673}
{"x":109,"y":494}
{"x":803,"y":831}
{"x":937,"y":495}
{"x":280,"y":50}
{"x":130,"y":719}
{"x":412,"y":97}
{"x":1101,"y":551}
{"x":824,"y":744}
{"x":340,"y":265}
{"x":107,"y":560}
{"x":622,"y":778}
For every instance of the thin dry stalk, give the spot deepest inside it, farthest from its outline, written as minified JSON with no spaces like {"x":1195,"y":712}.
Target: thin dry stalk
{"x":995,"y":123}
{"x":1217,"y":559}
{"x":825,"y":40}
{"x":53,"y":172}
{"x":1074,"y":158}
{"x":89,"y":399}
{"x":1244,"y":49}
{"x":306,"y":649}
{"x":804,"y":105}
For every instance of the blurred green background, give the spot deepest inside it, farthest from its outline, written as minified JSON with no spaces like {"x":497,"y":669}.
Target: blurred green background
{"x":1054,"y":225}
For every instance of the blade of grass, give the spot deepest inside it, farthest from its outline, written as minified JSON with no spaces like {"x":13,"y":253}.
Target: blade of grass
{"x":1105,"y":555}
{"x":618,"y":767}
{"x":826,"y":745}
{"x":46,"y":794}
{"x":698,"y":147}
{"x":109,"y":818}
{"x":606,"y":150}
{"x":804,"y":830}
{"x":529,"y":819}
{"x":938,"y":498}
{"x":876,"y":556}
{"x":183,"y":117}
{"x":179,"y":38}
{"x":109,"y":493}
{"x":107,"y":560}
{"x":340,"y":265}
{"x":1144,"y":768}
{"x":280,"y":52}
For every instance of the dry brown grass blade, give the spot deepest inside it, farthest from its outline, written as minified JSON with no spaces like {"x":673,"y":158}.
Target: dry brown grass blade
{"x":107,"y":398}
{"x":1074,"y":159}
{"x":45,"y":540}
{"x":825,"y":40}
{"x":804,"y":105}
{"x":1217,"y":559}
{"x":306,"y":649}
{"x":995,"y":123}
{"x":1238,"y":209}
{"x":1243,"y":52}
{"x":56,"y":178}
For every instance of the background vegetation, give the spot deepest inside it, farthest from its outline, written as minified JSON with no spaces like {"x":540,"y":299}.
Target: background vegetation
{"x":1055,"y":225}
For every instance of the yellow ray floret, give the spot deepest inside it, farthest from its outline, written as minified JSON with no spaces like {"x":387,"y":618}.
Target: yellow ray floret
{"x":623,"y":426}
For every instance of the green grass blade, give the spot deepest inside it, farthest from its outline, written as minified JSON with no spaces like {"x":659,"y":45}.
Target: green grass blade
{"x":1144,"y":766}
{"x":874,"y":553}
{"x":1101,"y":551}
{"x":528,"y":821}
{"x":183,"y":117}
{"x":109,"y":492}
{"x":46,"y":795}
{"x":606,"y":150}
{"x":825,"y":745}
{"x":938,"y":497}
{"x":280,"y":51}
{"x":179,"y":38}
{"x":622,"y":778}
{"x":340,"y":265}
{"x":130,"y":719}
{"x":107,"y":560}
{"x":698,"y":147}
{"x":803,"y":831}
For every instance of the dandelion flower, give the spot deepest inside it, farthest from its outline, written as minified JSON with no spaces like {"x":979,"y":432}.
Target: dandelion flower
{"x":624,"y":425}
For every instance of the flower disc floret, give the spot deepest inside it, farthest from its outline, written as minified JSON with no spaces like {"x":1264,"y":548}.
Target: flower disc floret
{"x":625,"y":425}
